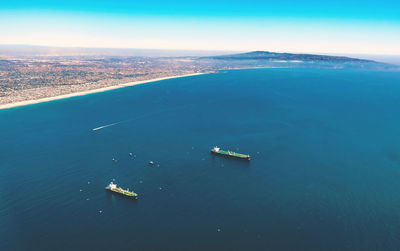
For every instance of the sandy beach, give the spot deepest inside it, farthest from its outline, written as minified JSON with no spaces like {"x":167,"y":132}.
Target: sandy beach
{"x":35,"y":101}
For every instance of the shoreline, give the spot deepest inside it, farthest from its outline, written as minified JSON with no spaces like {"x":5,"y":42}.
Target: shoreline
{"x":81,"y":93}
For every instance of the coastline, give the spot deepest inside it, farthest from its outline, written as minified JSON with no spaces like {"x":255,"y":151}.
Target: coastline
{"x":81,"y":93}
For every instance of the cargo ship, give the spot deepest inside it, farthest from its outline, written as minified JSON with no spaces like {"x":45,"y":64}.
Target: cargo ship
{"x":113,"y":188}
{"x":217,"y":150}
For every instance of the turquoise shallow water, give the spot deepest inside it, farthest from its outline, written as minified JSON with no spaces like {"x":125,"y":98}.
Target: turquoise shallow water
{"x":324,"y":174}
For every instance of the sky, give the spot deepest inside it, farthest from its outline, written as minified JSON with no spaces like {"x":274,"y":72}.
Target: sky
{"x":310,"y":26}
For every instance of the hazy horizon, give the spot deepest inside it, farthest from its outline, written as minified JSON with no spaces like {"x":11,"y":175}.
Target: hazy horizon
{"x":40,"y":50}
{"x":22,"y":49}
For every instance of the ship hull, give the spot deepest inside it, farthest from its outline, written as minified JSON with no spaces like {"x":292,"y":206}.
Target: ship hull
{"x":246,"y":158}
{"x":121,"y":194}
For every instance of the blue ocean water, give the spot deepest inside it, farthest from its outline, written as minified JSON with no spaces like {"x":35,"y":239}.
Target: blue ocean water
{"x":324,"y":174}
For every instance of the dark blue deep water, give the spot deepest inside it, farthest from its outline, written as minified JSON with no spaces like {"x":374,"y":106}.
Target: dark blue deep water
{"x":324,"y":174}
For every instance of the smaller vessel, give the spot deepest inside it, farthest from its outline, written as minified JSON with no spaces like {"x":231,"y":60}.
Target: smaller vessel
{"x":217,"y":150}
{"x":131,"y":154}
{"x":113,"y":188}
{"x":151,"y":162}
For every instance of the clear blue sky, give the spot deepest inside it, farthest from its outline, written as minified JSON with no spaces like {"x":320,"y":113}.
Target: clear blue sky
{"x":340,"y":26}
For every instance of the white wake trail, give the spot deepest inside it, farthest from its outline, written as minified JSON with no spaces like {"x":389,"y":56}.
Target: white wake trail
{"x":104,"y":126}
{"x":132,"y":119}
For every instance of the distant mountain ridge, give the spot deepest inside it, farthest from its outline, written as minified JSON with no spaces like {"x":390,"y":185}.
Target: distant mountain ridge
{"x":266,"y":55}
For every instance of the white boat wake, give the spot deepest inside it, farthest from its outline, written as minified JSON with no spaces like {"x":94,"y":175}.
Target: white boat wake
{"x":104,"y":126}
{"x":133,"y":119}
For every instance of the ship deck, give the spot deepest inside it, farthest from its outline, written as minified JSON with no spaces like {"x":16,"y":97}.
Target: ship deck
{"x":124,"y":192}
{"x":233,"y":154}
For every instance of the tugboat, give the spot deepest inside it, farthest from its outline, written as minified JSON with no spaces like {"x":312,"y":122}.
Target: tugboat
{"x":218,"y":151}
{"x":113,"y":188}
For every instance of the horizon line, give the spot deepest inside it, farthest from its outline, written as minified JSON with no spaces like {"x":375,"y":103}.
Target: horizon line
{"x":194,"y":50}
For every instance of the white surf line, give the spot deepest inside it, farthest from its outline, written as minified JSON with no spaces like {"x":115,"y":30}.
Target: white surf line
{"x":80,"y":93}
{"x":104,"y":126}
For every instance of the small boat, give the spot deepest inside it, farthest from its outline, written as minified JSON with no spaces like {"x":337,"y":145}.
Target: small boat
{"x":151,"y":162}
{"x":131,"y":154}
